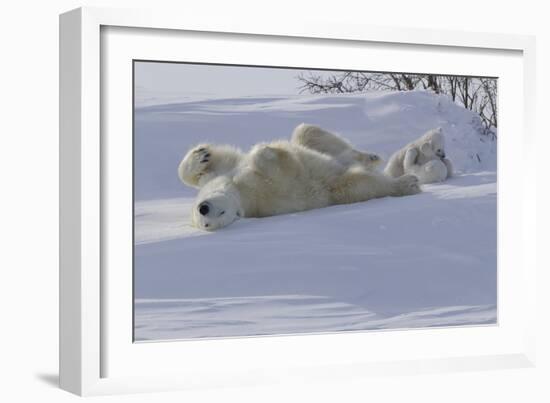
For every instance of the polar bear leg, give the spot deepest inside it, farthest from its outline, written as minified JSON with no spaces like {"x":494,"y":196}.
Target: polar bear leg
{"x":317,"y":139}
{"x":449,"y":165}
{"x":358,"y":185}
{"x":410,"y":158}
{"x":265,"y":158}
{"x":273,"y":161}
{"x":320,"y":140}
{"x":352,"y":156}
{"x":394,"y":167}
{"x":205,"y":162}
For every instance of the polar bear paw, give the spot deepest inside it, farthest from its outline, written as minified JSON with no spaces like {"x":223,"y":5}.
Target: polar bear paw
{"x":365,"y":159}
{"x":200,"y":160}
{"x":407,"y":185}
{"x":202,"y":155}
{"x":195,"y":164}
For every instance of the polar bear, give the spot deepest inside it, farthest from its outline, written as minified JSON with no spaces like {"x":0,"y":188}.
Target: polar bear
{"x":315,"y":169}
{"x":425,"y":158}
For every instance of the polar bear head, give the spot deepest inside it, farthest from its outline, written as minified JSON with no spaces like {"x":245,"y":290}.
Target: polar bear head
{"x":432,"y":144}
{"x":217,"y":205}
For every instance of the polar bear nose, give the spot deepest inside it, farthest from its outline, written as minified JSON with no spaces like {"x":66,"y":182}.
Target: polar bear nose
{"x":204,"y":209}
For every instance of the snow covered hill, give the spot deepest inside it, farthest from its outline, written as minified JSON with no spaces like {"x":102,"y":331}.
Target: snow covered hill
{"x":423,"y":260}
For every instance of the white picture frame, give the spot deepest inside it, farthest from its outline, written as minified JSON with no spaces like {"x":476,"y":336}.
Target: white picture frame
{"x":86,"y":346}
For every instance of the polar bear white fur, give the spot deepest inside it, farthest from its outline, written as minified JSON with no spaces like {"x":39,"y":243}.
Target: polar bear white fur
{"x":425,"y":158}
{"x":314,"y":137}
{"x":315,"y":169}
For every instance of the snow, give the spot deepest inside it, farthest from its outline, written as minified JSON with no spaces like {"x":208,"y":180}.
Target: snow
{"x":417,"y":261}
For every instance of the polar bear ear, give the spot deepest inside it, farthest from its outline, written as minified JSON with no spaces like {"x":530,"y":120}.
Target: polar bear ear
{"x":426,"y":147}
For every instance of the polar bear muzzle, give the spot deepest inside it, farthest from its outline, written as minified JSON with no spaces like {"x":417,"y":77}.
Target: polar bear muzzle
{"x":216,"y":211}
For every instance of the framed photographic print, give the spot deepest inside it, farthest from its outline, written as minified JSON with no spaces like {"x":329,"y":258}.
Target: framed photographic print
{"x":242,"y":203}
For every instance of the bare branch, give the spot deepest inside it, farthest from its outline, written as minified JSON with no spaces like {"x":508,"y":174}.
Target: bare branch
{"x":476,"y":94}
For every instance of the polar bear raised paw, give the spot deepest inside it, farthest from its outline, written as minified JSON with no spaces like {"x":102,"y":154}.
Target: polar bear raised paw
{"x":194,"y":165}
{"x":206,"y":161}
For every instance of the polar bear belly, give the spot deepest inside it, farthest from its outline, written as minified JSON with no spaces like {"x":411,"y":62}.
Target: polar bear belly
{"x":264,"y":196}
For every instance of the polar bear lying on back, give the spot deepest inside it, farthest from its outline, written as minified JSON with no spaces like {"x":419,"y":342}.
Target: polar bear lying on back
{"x":425,"y":158}
{"x":315,"y":169}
